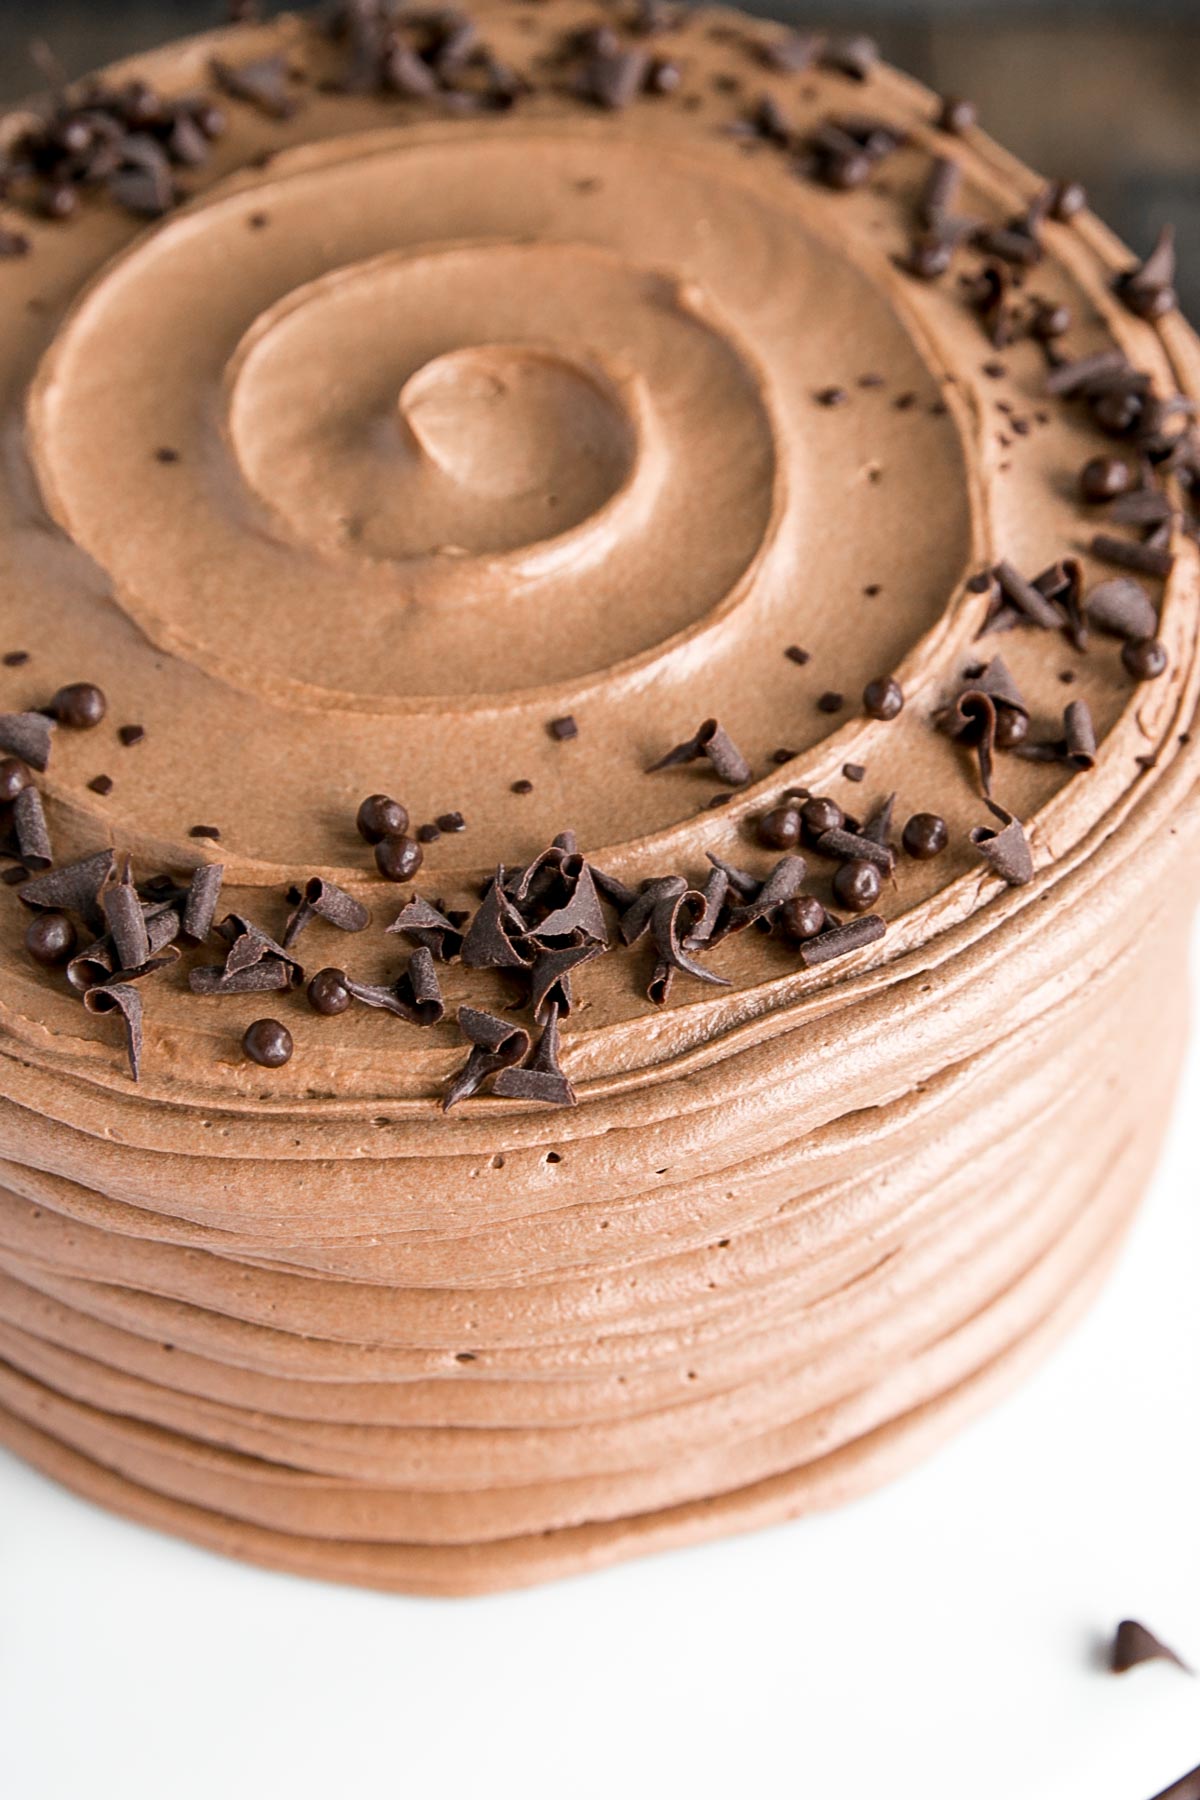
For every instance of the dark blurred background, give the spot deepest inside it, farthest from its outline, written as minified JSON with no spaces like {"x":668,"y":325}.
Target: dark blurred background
{"x":1104,"y":90}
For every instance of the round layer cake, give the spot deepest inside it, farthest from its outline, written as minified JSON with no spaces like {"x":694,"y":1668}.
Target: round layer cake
{"x":737,"y":529}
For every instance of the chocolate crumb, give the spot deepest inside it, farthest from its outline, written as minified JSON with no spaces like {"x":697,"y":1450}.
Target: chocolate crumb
{"x":521,"y":787}
{"x":795,"y":654}
{"x":101,"y":784}
{"x":205,"y":831}
{"x":131,"y":734}
{"x":562,"y":730}
{"x":1134,"y":1644}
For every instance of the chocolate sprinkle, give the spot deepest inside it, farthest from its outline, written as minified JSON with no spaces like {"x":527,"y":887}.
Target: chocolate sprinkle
{"x":123,"y":998}
{"x":841,"y":940}
{"x":495,"y":1044}
{"x":1147,"y":559}
{"x":33,"y":836}
{"x":714,"y":742}
{"x":28,"y":736}
{"x":200,"y":905}
{"x":849,"y":846}
{"x":1134,"y":1644}
{"x":1005,"y":851}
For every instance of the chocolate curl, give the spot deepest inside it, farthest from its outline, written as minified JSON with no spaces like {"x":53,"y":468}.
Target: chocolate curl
{"x":635,"y":923}
{"x":614,"y":890}
{"x":324,"y":900}
{"x":581,"y":914}
{"x":262,"y":83}
{"x":423,"y":924}
{"x":551,"y":977}
{"x":613,"y":78}
{"x":491,"y":937}
{"x":782,"y":884}
{"x":1079,"y":733}
{"x":267,"y":977}
{"x":1005,"y":851}
{"x":1134,"y":1644}
{"x":252,"y":945}
{"x":972,"y":719}
{"x":121,"y":997}
{"x":1141,"y":287}
{"x":162,"y":926}
{"x":940,"y":190}
{"x":1082,"y":375}
{"x":716,"y":892}
{"x":878,"y":827}
{"x":91,"y":966}
{"x":496,"y":1044}
{"x":1062,"y":585}
{"x":713,"y":741}
{"x":75,"y":888}
{"x":1144,"y":559}
{"x":420,"y":989}
{"x":841,"y":940}
{"x":200,"y":906}
{"x":1029,"y":601}
{"x":33,"y":836}
{"x":541,"y":1078}
{"x":1122,"y":608}
{"x":28,"y":736}
{"x":126,"y":922}
{"x":674,"y":918}
{"x":740,"y":880}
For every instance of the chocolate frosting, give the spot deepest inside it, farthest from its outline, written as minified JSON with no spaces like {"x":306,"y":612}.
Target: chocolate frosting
{"x":480,"y":420}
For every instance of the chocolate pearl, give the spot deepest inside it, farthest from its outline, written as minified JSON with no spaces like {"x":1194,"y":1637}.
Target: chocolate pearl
{"x":1012,"y":727}
{"x":883,"y":699}
{"x":857,"y":886}
{"x":663,"y":77}
{"x":13,"y":777}
{"x":1069,"y":198}
{"x":779,"y":829}
{"x":925,"y":836}
{"x":50,"y":939}
{"x":210,"y":119}
{"x":956,"y":115}
{"x":79,"y":706}
{"x":1050,"y":321}
{"x":820,"y":814}
{"x":803,"y":917}
{"x":1103,"y":478}
{"x":1116,"y":413}
{"x":381,"y":817}
{"x":268,"y":1043}
{"x":1145,"y":659}
{"x":398,"y":858}
{"x":328,"y":993}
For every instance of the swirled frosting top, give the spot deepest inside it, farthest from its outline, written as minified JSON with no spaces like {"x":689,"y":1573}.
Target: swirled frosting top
{"x":582,"y":387}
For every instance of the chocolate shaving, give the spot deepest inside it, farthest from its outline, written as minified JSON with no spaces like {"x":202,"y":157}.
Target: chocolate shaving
{"x":740,"y":880}
{"x":496,"y":1044}
{"x":262,"y":83}
{"x":841,"y":940}
{"x":422,"y":923}
{"x":550,"y":981}
{"x":32,"y":833}
{"x":324,"y":900}
{"x":613,"y":889}
{"x":250,"y":945}
{"x":714,"y":742}
{"x":1080,"y":376}
{"x":879,"y":826}
{"x":490,"y":939}
{"x":1145,"y":506}
{"x":1027,"y":598}
{"x":1123,"y":608}
{"x":853,"y":56}
{"x":1133,"y":1644}
{"x":941,"y":189}
{"x":95,"y":964}
{"x":716,"y":893}
{"x":383,"y":996}
{"x":541,"y":1078}
{"x":581,"y":914}
{"x":1005,"y":851}
{"x":674,"y":919}
{"x":613,"y":77}
{"x":28,"y":736}
{"x":1147,"y":559}
{"x":267,"y":977}
{"x":1154,"y":276}
{"x":850,"y":846}
{"x":121,"y":997}
{"x":200,"y":905}
{"x":75,"y":888}
{"x":634,"y":923}
{"x":126,"y":921}
{"x":782,"y":884}
{"x":420,"y":989}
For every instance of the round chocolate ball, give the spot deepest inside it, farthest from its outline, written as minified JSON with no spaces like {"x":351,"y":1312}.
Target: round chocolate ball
{"x":779,"y":829}
{"x":803,"y":917}
{"x":883,"y":699}
{"x":381,"y":817}
{"x":268,"y":1043}
{"x":925,"y":836}
{"x":328,"y":993}
{"x":50,"y":939}
{"x":398,"y":858}
{"x":13,"y":777}
{"x":1104,"y":478}
{"x":857,"y":886}
{"x":1012,"y":727}
{"x":820,"y":814}
{"x":79,"y":706}
{"x":1144,"y":658}
{"x":956,"y":115}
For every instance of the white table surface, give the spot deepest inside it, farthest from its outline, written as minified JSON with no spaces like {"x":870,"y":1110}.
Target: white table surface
{"x":936,"y":1641}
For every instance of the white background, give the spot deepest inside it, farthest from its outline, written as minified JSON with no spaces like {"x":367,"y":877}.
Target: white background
{"x":938,"y":1641}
